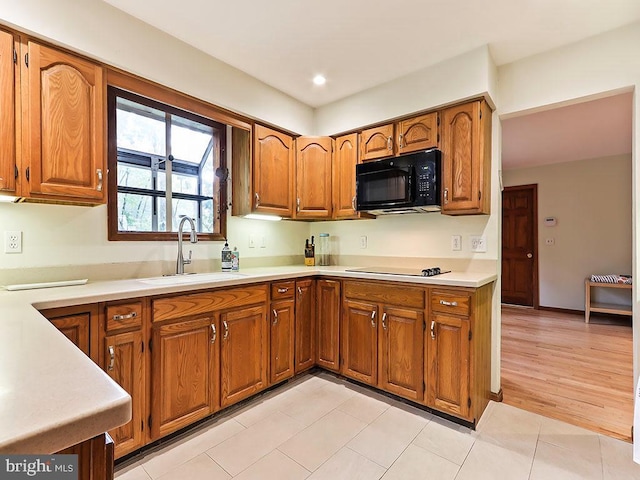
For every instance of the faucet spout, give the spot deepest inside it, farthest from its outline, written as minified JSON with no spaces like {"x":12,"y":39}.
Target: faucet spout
{"x":193,"y":238}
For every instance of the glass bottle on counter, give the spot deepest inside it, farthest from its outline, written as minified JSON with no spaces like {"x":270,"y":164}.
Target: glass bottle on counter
{"x":323,"y":250}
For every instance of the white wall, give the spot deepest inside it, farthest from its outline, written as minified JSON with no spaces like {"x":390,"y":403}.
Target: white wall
{"x":591,"y":200}
{"x":593,"y":67}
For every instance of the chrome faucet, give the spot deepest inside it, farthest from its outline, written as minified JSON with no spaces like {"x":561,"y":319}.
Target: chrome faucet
{"x":193,"y":238}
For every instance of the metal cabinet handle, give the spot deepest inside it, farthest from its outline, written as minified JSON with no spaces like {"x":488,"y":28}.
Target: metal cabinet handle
{"x":400,"y":138}
{"x":298,"y":204}
{"x":214,"y":333}
{"x":226,"y":330}
{"x":448,"y":304}
{"x":99,"y":185}
{"x":446,"y":195}
{"x":390,"y":143}
{"x":300,"y":292}
{"x":283,"y":290}
{"x":373,"y":319}
{"x":384,"y":320}
{"x":112,"y":357}
{"x":433,"y":330}
{"x":353,"y":203}
{"x":257,"y":200}
{"x":125,"y":317}
{"x":275,"y":317}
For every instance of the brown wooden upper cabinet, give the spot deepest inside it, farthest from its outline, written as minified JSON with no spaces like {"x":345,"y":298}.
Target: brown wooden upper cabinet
{"x":313,"y":177}
{"x":466,"y":159}
{"x":9,"y":85}
{"x":273,"y":172}
{"x":405,"y":136}
{"x":345,"y":159}
{"x":64,"y":138}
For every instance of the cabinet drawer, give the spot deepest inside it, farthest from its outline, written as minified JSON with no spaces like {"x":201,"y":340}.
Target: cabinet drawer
{"x":124,"y":315}
{"x":185,"y":305}
{"x":282,"y":290}
{"x":451,"y":302}
{"x":412,"y":297}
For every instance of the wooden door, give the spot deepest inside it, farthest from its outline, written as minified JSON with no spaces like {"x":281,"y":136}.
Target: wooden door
{"x":273,"y":175}
{"x":328,"y":314}
{"x":305,"y":330}
{"x":519,"y":242}
{"x":401,"y":366}
{"x":345,"y":159}
{"x":244,"y":356}
{"x":65,"y":132}
{"x":418,"y":133}
{"x":183,"y":374}
{"x":124,"y":363}
{"x":282,"y":340}
{"x":8,"y":83}
{"x":360,"y":341}
{"x":313,"y":177}
{"x":376,"y":143}
{"x":466,"y":159}
{"x":448,"y":376}
{"x":75,"y":328}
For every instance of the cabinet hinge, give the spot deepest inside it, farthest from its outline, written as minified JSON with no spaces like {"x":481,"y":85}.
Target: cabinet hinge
{"x":479,"y":195}
{"x":149,"y":419}
{"x":142,"y":425}
{"x":27,"y":173}
{"x":438,"y":138}
{"x":15,"y":56}
{"x":26,"y":59}
{"x":469,"y":402}
{"x":424,"y":325}
{"x":470,"y":335}
{"x":142,"y":346}
{"x":16,"y":172}
{"x":424,"y":387}
{"x":438,"y":119}
{"x":151,"y":345}
{"x":480,"y":114}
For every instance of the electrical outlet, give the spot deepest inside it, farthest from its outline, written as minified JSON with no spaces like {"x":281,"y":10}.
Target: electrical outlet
{"x":456,"y":242}
{"x":478,"y":243}
{"x":13,"y":242}
{"x":550,"y":241}
{"x":363,"y":241}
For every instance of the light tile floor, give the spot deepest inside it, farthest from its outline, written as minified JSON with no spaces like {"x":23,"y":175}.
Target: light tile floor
{"x":319,"y":427}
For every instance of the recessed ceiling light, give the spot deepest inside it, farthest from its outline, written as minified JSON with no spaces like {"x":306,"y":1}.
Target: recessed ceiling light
{"x":319,"y":80}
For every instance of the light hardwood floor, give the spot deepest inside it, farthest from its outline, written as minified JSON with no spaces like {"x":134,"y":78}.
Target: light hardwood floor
{"x":556,"y":365}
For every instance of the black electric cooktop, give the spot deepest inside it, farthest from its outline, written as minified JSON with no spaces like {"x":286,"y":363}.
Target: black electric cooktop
{"x":417,"y":272}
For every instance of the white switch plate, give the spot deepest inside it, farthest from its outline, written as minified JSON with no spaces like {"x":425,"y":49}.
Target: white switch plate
{"x":252,"y":240}
{"x":478,"y":243}
{"x":363,"y":241}
{"x":456,"y":242}
{"x":550,"y":241}
{"x":263,"y":241}
{"x":13,"y":242}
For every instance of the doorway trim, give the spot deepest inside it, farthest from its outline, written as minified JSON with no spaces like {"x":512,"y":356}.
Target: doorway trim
{"x":536,"y":283}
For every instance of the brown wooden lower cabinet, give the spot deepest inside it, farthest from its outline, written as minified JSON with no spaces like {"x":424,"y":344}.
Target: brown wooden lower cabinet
{"x":184,"y":373}
{"x":360,"y":341}
{"x":328,"y":324}
{"x":282,"y":340}
{"x":244,"y":353}
{"x":74,"y":322}
{"x":95,"y":458}
{"x":305,"y":325}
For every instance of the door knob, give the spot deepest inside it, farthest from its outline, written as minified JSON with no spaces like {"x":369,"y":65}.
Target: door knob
{"x":529,"y":255}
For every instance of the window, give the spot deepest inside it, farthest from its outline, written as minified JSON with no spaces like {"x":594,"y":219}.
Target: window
{"x":167,"y":163}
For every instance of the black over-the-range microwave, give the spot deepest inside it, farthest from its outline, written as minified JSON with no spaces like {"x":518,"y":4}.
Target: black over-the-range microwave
{"x":406,"y":184}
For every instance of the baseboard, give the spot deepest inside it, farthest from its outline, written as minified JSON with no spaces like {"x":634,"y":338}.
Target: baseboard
{"x":561,"y":310}
{"x":496,"y":397}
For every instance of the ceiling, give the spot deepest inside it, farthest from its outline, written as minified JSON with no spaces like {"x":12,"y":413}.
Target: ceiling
{"x":593,"y":129}
{"x":358,"y":44}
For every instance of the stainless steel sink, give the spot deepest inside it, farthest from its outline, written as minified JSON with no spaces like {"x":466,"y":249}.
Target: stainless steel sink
{"x":192,"y":278}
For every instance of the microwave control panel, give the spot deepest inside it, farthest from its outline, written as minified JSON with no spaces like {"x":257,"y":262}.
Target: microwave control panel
{"x":426,"y":187}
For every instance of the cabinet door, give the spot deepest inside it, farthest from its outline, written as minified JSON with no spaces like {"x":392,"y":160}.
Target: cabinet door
{"x":376,"y":143}
{"x":418,"y":133}
{"x":401,"y":352}
{"x":8,"y":80}
{"x":313,"y":177}
{"x":328,"y":311}
{"x":183,"y":374}
{"x":65,"y":131}
{"x":75,"y":327}
{"x":244,"y":358}
{"x":448,"y":375}
{"x":305,"y":347}
{"x":360,"y":341}
{"x":124,"y":363}
{"x":282,"y":340}
{"x":273,"y":172}
{"x":345,"y":159}
{"x":466,"y":158}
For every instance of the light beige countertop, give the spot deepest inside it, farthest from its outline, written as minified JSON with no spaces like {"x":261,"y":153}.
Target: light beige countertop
{"x":53,"y":396}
